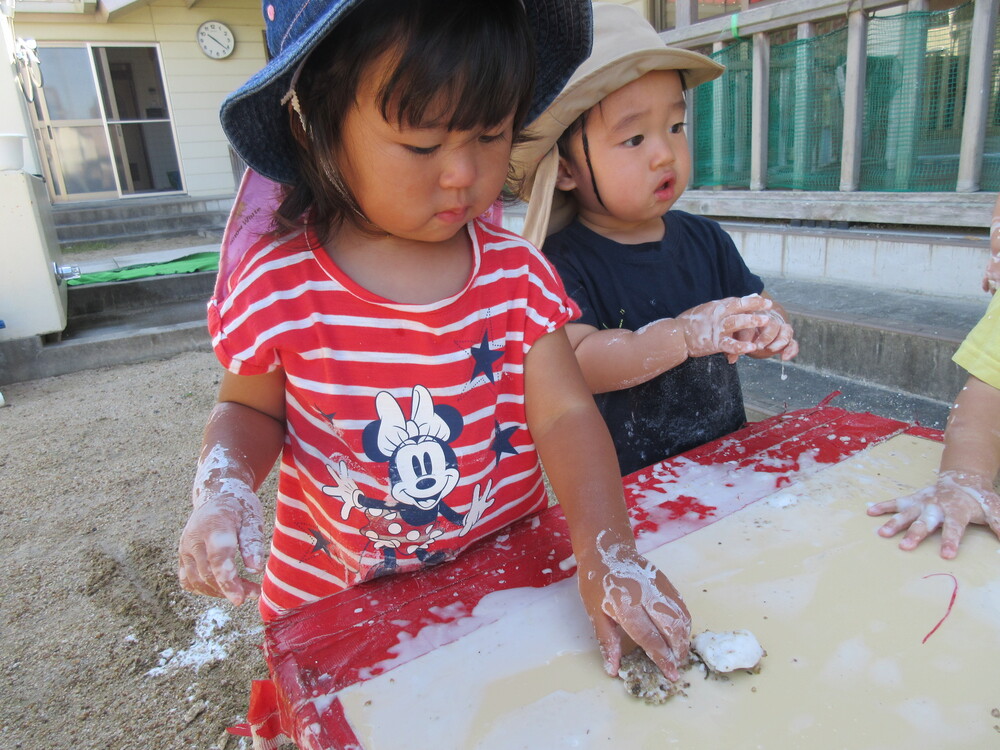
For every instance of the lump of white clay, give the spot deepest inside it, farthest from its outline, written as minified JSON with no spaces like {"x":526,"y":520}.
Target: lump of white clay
{"x":728,"y":652}
{"x":644,"y":680}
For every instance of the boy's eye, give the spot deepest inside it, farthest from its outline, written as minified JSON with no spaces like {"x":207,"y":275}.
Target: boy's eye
{"x":677,"y":128}
{"x":635,"y":140}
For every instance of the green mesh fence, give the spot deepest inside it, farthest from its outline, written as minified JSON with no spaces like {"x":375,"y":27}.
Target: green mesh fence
{"x":990,"y":177}
{"x":915,"y":100}
{"x":913,"y":109}
{"x":806,"y":113}
{"x":721,"y":138}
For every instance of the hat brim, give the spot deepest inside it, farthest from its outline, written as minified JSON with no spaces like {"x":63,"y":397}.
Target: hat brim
{"x":256,"y":123}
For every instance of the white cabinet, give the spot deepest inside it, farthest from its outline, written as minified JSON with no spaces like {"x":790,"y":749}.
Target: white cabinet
{"x":32,"y":299}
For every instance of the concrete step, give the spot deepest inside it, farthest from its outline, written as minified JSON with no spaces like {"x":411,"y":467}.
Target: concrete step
{"x":139,"y":218}
{"x":130,"y":311}
{"x":770,"y":387}
{"x":156,"y":334}
{"x":117,"y":323}
{"x":88,"y":303}
{"x":159,"y":332}
{"x":887,"y":352}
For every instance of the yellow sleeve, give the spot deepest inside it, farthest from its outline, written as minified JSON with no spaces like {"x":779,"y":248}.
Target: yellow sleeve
{"x":979,"y":354}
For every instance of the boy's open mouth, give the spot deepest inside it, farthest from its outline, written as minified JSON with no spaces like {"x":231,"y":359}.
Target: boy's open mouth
{"x":665,"y":188}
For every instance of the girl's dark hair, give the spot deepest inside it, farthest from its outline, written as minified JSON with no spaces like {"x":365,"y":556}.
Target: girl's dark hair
{"x":471,"y":60}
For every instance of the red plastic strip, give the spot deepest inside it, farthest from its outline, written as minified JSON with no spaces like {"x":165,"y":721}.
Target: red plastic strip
{"x":830,"y":397}
{"x":954,"y":593}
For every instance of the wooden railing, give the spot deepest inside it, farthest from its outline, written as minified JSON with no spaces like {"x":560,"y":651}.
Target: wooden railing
{"x":965,"y":207}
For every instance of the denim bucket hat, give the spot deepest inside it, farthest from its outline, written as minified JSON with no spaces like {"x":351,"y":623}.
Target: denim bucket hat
{"x":256,"y":122}
{"x":626,"y":47}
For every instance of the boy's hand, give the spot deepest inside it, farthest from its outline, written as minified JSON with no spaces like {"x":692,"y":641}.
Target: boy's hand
{"x":774,"y":337}
{"x":956,"y":500}
{"x":222,"y":525}
{"x":711,"y":327}
{"x":627,"y":597}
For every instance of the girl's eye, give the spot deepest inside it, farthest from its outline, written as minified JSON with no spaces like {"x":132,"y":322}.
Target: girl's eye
{"x":421,"y":150}
{"x":635,"y":140}
{"x":487,"y":138}
{"x":677,"y":128}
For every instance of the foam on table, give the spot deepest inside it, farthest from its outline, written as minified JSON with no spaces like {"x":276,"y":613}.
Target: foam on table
{"x":841,"y":612}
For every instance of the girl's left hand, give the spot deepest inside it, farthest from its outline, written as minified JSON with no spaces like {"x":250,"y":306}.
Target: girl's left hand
{"x":627,"y":597}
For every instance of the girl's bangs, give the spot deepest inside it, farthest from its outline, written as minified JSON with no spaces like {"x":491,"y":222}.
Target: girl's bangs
{"x":464,"y":77}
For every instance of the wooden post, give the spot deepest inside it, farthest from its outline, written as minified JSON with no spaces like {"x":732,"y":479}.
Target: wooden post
{"x":977,"y":96}
{"x":719,"y":102}
{"x":854,"y":91}
{"x":686,"y":12}
{"x":905,"y":117}
{"x":804,"y":87}
{"x":759,"y":111}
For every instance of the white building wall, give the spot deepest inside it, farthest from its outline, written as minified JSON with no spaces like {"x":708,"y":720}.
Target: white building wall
{"x":196,"y":84}
{"x":945,"y":265}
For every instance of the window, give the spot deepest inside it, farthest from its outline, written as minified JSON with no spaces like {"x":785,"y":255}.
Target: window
{"x":663,"y":14}
{"x":103,"y":123}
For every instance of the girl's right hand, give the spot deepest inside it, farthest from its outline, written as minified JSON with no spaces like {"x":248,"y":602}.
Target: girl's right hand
{"x":223,"y":525}
{"x":630,"y":601}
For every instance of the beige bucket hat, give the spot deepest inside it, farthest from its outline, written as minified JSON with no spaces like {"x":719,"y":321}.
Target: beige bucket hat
{"x":626,"y":47}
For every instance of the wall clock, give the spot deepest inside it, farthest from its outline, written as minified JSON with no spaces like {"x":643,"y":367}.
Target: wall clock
{"x":216,"y":40}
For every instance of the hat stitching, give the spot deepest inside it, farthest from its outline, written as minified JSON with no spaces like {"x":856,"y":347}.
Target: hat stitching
{"x":291,"y":25}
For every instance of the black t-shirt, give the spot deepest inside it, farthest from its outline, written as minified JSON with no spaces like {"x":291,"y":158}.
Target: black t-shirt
{"x":629,"y":286}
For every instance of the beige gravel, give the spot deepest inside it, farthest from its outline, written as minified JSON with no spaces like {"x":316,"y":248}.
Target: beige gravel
{"x":100,"y":648}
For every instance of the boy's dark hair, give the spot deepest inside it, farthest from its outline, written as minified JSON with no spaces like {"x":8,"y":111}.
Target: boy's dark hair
{"x":476,"y":58}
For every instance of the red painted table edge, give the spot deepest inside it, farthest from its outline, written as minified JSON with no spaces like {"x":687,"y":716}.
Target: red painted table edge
{"x":292,"y":641}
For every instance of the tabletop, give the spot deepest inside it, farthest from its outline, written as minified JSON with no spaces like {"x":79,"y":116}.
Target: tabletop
{"x":764,"y":529}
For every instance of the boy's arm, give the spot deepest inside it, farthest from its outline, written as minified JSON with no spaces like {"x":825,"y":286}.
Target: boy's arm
{"x":244,"y":434}
{"x":964,"y":492}
{"x":613,"y":359}
{"x":616,"y":358}
{"x":620,"y":589}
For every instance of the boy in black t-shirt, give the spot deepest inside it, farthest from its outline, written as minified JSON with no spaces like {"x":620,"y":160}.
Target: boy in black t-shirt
{"x":667,"y":303}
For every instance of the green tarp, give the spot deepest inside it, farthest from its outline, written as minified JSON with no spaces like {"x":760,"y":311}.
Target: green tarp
{"x":187,"y":264}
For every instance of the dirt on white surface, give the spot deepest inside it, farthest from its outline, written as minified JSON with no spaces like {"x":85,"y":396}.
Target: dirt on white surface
{"x":101,"y":649}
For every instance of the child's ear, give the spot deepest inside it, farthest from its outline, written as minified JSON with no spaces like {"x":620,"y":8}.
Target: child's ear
{"x":564,"y":176}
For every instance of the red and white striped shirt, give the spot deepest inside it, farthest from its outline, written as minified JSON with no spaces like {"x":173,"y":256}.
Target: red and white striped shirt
{"x":403,"y":421}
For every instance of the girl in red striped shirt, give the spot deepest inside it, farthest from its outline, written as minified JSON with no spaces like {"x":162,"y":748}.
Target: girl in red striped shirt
{"x":406,"y":359}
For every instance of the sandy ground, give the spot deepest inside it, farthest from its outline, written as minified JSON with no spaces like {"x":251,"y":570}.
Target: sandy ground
{"x":100,"y":647}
